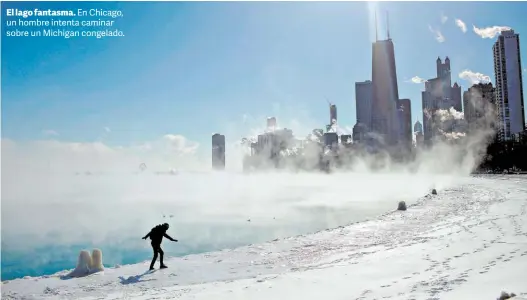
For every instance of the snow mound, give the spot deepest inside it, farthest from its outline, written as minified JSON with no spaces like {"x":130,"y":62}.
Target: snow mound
{"x":96,"y":261}
{"x":87,"y":264}
{"x":83,"y":265}
{"x":504,"y":295}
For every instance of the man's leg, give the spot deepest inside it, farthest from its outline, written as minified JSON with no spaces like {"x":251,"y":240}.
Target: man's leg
{"x":155,"y":248}
{"x":161,"y":253}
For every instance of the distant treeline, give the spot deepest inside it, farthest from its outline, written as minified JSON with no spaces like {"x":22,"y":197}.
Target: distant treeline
{"x":505,"y":157}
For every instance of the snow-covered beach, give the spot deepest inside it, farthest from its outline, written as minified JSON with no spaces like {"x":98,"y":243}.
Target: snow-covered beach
{"x":467,"y":242}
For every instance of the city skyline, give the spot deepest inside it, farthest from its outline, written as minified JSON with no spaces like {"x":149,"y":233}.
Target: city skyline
{"x":212,"y":76}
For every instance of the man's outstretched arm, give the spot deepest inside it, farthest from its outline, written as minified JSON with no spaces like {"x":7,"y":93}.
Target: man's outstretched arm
{"x":147,"y":235}
{"x":169,"y":237}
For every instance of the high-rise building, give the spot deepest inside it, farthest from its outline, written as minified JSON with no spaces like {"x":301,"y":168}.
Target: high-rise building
{"x":419,"y":137}
{"x":406,"y":121}
{"x":331,"y":139}
{"x":332,"y":113}
{"x":455,"y":95}
{"x":479,"y":106}
{"x":418,"y":127}
{"x":360,"y":132}
{"x":439,"y":94}
{"x":346,"y":139}
{"x":444,"y":77}
{"x":363,"y":102}
{"x":443,"y":70}
{"x":509,"y":86}
{"x":385,"y":93}
{"x":218,"y":151}
{"x":271,"y":123}
{"x":432,"y":100}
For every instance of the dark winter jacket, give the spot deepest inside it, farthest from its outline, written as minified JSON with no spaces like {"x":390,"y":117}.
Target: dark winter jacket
{"x":157,"y":233}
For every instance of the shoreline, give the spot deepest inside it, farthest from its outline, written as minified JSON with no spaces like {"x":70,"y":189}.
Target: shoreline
{"x":299,"y":219}
{"x":366,"y":219}
{"x":433,"y":227}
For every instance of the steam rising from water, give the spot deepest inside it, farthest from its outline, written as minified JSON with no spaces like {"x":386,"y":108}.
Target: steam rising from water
{"x":45,"y":203}
{"x":450,"y":114}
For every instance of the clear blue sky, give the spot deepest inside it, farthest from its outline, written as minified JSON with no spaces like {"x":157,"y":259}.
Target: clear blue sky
{"x":189,"y":68}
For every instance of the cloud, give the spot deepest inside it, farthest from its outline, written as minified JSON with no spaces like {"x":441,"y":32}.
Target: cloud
{"x":474,"y":77}
{"x":61,"y":157}
{"x":49,"y":132}
{"x":489,"y":32}
{"x":438,"y":35}
{"x":444,"y":18}
{"x":461,"y":25}
{"x":417,"y":79}
{"x":107,"y":129}
{"x":180,"y":145}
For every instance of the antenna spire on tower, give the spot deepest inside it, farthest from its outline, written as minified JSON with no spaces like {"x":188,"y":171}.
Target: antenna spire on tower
{"x":387,"y":25}
{"x":376,"y":35}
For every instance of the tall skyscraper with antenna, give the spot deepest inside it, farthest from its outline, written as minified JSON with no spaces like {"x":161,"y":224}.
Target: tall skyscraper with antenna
{"x":385,"y":118}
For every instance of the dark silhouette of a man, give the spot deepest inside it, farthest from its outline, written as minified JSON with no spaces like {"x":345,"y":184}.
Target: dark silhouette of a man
{"x":156,"y":235}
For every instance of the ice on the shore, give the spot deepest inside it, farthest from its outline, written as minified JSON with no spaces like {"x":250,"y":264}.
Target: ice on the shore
{"x":468,"y":242}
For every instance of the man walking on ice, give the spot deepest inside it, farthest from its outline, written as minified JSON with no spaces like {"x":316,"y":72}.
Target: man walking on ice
{"x":156,"y":235}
